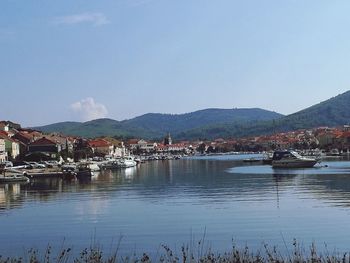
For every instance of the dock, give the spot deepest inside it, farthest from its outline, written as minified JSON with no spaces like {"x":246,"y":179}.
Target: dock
{"x":36,"y":173}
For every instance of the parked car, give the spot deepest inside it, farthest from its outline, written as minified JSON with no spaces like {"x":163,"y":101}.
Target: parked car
{"x":21,"y":165}
{"x":8,"y":164}
{"x":37,"y":165}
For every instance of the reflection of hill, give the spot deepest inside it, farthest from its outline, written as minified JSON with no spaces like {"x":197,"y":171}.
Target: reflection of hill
{"x":186,"y":179}
{"x":201,"y":179}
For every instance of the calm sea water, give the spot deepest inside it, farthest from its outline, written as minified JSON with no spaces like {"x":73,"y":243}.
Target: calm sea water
{"x":219,"y":199}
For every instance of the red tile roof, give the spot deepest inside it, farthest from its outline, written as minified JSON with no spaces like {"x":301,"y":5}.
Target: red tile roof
{"x":3,"y":133}
{"x":99,"y":143}
{"x":43,"y":141}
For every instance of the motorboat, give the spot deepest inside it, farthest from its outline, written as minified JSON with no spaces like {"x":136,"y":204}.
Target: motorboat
{"x":291,"y":159}
{"x":79,"y":172}
{"x":14,"y":178}
{"x":110,"y":164}
{"x":267,"y":158}
{"x":127,"y":161}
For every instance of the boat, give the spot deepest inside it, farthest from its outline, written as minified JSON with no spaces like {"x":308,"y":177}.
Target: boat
{"x":92,"y":165}
{"x":127,"y":161}
{"x":291,"y":159}
{"x":110,"y":164}
{"x":334,"y":152}
{"x":267,"y":158}
{"x":80,"y":172}
{"x":14,"y":178}
{"x":252,"y":160}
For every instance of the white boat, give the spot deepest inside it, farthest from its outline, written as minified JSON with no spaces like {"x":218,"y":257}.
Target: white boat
{"x":14,"y":178}
{"x":127,"y":161}
{"x":291,"y":159}
{"x":110,"y":164}
{"x":93,"y":166}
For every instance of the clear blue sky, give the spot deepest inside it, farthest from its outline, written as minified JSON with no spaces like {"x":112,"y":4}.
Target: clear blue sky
{"x":83,"y":59}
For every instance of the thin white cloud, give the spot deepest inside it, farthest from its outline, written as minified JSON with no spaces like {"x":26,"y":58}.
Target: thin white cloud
{"x":87,"y":109}
{"x":97,"y":19}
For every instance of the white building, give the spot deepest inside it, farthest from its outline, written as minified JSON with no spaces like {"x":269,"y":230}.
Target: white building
{"x":3,"y":153}
{"x":146,"y":146}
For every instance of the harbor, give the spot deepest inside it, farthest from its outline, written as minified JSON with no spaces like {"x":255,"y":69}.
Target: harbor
{"x":220,"y":195}
{"x":82,"y":170}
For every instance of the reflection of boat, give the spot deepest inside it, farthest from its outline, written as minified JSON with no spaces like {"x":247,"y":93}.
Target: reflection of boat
{"x":15,"y":178}
{"x":291,"y":159}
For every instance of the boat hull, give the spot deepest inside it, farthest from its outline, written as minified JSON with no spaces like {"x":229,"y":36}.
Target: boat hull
{"x":294,"y":164}
{"x":13,"y":179}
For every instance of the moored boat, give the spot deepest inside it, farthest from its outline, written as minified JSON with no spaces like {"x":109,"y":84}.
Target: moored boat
{"x":267,"y":158}
{"x":291,"y":159}
{"x":127,"y":161}
{"x":15,"y":178}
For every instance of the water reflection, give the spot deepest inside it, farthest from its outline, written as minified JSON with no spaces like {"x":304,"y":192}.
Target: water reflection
{"x":162,"y":201}
{"x":10,"y":196}
{"x":205,"y":179}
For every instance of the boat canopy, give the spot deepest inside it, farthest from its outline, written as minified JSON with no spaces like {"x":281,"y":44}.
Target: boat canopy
{"x":278,"y":155}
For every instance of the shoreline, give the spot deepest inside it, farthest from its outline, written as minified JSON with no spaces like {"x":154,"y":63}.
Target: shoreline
{"x":294,"y":252}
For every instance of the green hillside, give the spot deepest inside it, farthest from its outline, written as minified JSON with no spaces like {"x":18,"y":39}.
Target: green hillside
{"x":155,"y":125}
{"x":332,"y":112}
{"x":213,"y":123}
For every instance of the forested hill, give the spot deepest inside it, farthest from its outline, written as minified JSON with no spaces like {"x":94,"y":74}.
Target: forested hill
{"x":155,"y":125}
{"x":331,"y":113}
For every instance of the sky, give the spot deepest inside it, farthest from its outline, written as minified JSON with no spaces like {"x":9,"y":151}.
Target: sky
{"x":86,"y":59}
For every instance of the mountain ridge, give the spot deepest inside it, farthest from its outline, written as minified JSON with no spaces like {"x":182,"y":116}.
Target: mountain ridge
{"x":214,"y":122}
{"x":156,"y":125}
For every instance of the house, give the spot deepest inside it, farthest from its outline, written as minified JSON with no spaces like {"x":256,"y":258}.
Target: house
{"x":4,"y":126}
{"x":141,"y":145}
{"x":327,"y":137}
{"x":132,"y":144}
{"x":9,"y":127}
{"x":342,"y":141}
{"x":45,"y":146}
{"x":11,"y":145}
{"x":3,"y":153}
{"x":177,"y":147}
{"x":101,"y":146}
{"x":146,"y":146}
{"x":24,"y":139}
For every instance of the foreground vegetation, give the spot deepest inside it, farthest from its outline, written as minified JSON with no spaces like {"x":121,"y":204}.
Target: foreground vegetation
{"x":296,"y":253}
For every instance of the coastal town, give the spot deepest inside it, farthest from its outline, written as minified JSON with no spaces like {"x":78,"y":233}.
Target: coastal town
{"x":24,"y":144}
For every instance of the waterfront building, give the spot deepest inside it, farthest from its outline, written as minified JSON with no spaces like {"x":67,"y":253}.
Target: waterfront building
{"x":3,"y":153}
{"x":4,"y":126}
{"x":132,"y":144}
{"x":146,"y":146}
{"x":101,"y":147}
{"x":44,"y":146}
{"x":11,"y":145}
